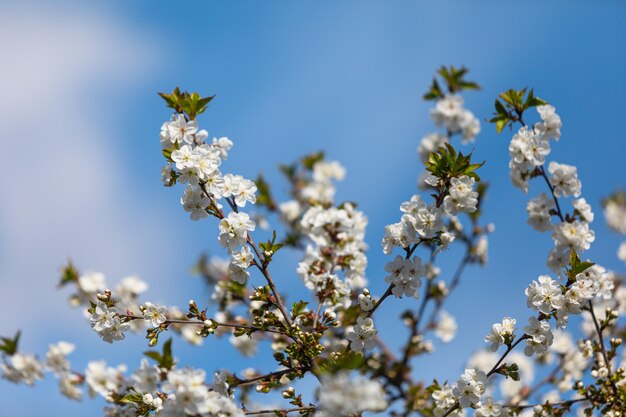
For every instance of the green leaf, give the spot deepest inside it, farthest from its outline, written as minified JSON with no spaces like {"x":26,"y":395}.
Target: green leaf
{"x":455,"y":79}
{"x":184,"y":102}
{"x":167,"y":153}
{"x":164,"y":358}
{"x":310,"y":160}
{"x":10,"y":345}
{"x":131,"y":399}
{"x":69,"y":274}
{"x":153,"y":355}
{"x":264,"y":196}
{"x":434,"y":92}
{"x":500,"y":108}
{"x":532,"y":101}
{"x":298,"y":308}
{"x":501,"y":124}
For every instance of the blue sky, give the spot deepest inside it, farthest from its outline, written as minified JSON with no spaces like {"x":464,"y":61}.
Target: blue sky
{"x":290,"y":78}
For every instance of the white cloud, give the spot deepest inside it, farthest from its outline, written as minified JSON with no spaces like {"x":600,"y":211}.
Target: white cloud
{"x":62,"y":192}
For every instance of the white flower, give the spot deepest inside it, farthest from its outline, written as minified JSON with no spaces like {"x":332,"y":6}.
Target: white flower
{"x":241,"y":189}
{"x":167,"y":175}
{"x":500,"y":333}
{"x":130,"y":287}
{"x":519,"y":175}
{"x":223,"y":144}
{"x":154,"y":315}
{"x":544,"y":295}
{"x":444,"y":400}
{"x":621,"y":252}
{"x":234,"y":230}
{"x":22,"y":368}
{"x":575,"y":235}
{"x":103,"y":317}
{"x":481,"y":249}
{"x":405,"y":275}
{"x":551,"y":124}
{"x":195,"y":202}
{"x":540,"y":337}
{"x":325,"y":171}
{"x":146,"y":378}
{"x":461,"y":197}
{"x":247,"y":345}
{"x":426,"y":221}
{"x":470,"y":386}
{"x":181,"y":130}
{"x":539,"y":212}
{"x":430,"y":143}
{"x":68,"y":386}
{"x":362,"y":335}
{"x":155,"y":403}
{"x":56,"y":359}
{"x":239,"y":262}
{"x":92,"y":282}
{"x":584,"y":209}
{"x":445,"y":239}
{"x":470,"y":127}
{"x":615,"y":214}
{"x":400,"y":234}
{"x":242,"y":258}
{"x":341,"y":395}
{"x":488,"y":408}
{"x":103,"y":380}
{"x":206,"y":161}
{"x":185,"y":158}
{"x":365,"y":302}
{"x":115,"y":332}
{"x":449,"y":113}
{"x":564,"y":180}
{"x":558,"y":258}
{"x":529,"y":147}
{"x":239,"y":274}
{"x":446,"y":327}
{"x":482,"y":360}
{"x":290,"y":210}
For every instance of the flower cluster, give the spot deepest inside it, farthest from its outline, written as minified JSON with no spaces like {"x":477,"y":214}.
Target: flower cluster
{"x":419,"y":221}
{"x":461,"y":196}
{"x":405,"y":275}
{"x":342,"y":394}
{"x":467,"y":392}
{"x":530,"y":146}
{"x":188,"y":394}
{"x":338,"y":247}
{"x":450,"y":114}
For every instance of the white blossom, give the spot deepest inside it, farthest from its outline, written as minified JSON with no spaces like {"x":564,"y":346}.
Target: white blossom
{"x":469,"y":388}
{"x":461,"y":198}
{"x":362,"y":335}
{"x":22,"y":368}
{"x":539,"y":212}
{"x":154,"y":315}
{"x":564,"y":179}
{"x":446,"y":327}
{"x":501,"y":332}
{"x":341,"y":395}
{"x":234,"y":230}
{"x":550,"y":125}
{"x":56,"y":358}
{"x":540,"y":337}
